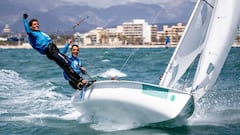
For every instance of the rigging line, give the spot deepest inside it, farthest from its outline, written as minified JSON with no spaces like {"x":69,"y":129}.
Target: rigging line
{"x":155,"y":17}
{"x":208,"y":3}
{"x":111,"y":49}
{"x":115,"y":77}
{"x":87,"y":74}
{"x":132,"y":53}
{"x":78,"y":23}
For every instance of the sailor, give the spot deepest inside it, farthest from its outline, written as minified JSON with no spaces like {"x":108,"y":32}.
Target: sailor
{"x":44,"y":45}
{"x":75,"y":62}
{"x":167,"y":41}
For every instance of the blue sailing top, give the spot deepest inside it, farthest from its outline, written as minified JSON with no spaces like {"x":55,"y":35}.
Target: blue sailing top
{"x":75,"y":62}
{"x":38,"y":40}
{"x":167,"y":40}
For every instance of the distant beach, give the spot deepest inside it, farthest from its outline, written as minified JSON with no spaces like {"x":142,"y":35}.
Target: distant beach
{"x":28,"y":46}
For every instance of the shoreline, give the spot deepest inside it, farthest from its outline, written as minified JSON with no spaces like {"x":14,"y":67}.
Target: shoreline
{"x":27,"y":46}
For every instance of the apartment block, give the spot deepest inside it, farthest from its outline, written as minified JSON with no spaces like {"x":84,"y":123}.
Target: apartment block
{"x":174,"y":32}
{"x":137,"y":32}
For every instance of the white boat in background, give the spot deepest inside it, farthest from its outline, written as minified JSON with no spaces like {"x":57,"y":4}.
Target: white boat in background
{"x":209,"y":35}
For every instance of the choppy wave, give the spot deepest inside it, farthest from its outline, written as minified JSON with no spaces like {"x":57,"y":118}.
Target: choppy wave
{"x":24,"y":100}
{"x":37,"y":100}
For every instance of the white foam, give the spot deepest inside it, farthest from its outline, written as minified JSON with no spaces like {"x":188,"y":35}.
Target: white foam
{"x":105,"y":60}
{"x":109,"y":126}
{"x":9,"y":79}
{"x":25,"y":100}
{"x":71,"y":116}
{"x":112,"y":73}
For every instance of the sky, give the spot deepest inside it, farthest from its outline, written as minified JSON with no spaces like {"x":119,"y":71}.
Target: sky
{"x":108,"y":3}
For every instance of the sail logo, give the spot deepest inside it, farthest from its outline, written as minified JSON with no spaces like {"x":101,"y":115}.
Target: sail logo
{"x":221,"y":17}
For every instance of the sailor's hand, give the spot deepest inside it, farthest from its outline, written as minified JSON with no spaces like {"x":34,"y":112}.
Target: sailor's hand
{"x":25,"y":16}
{"x":69,"y":41}
{"x":81,"y":84}
{"x":84,"y":82}
{"x":83,"y":69}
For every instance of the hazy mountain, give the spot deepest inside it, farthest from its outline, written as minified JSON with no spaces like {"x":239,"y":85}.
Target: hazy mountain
{"x":60,"y":17}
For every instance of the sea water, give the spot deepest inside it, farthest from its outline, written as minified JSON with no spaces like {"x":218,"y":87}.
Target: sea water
{"x":35,"y":99}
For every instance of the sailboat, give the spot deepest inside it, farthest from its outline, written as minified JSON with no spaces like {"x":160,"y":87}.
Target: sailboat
{"x":207,"y":38}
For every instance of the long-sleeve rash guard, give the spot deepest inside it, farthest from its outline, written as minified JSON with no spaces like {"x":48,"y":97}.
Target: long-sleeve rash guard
{"x":75,"y":62}
{"x":38,"y":40}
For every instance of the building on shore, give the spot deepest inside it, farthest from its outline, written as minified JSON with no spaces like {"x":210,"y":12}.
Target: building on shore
{"x":174,"y":32}
{"x":6,"y":30}
{"x":137,"y":32}
{"x":237,"y":39}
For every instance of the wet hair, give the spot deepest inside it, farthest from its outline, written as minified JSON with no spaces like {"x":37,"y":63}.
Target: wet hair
{"x":74,"y":45}
{"x":31,"y":21}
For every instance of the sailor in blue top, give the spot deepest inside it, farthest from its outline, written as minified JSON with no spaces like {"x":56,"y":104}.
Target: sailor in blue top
{"x":167,"y":41}
{"x":75,"y":62}
{"x":44,"y":45}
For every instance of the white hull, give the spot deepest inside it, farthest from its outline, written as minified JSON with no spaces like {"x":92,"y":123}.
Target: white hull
{"x":125,"y":101}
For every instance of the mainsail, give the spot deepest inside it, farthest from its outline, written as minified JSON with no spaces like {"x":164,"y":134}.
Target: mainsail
{"x":190,"y":45}
{"x":210,"y":34}
{"x":220,"y":37}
